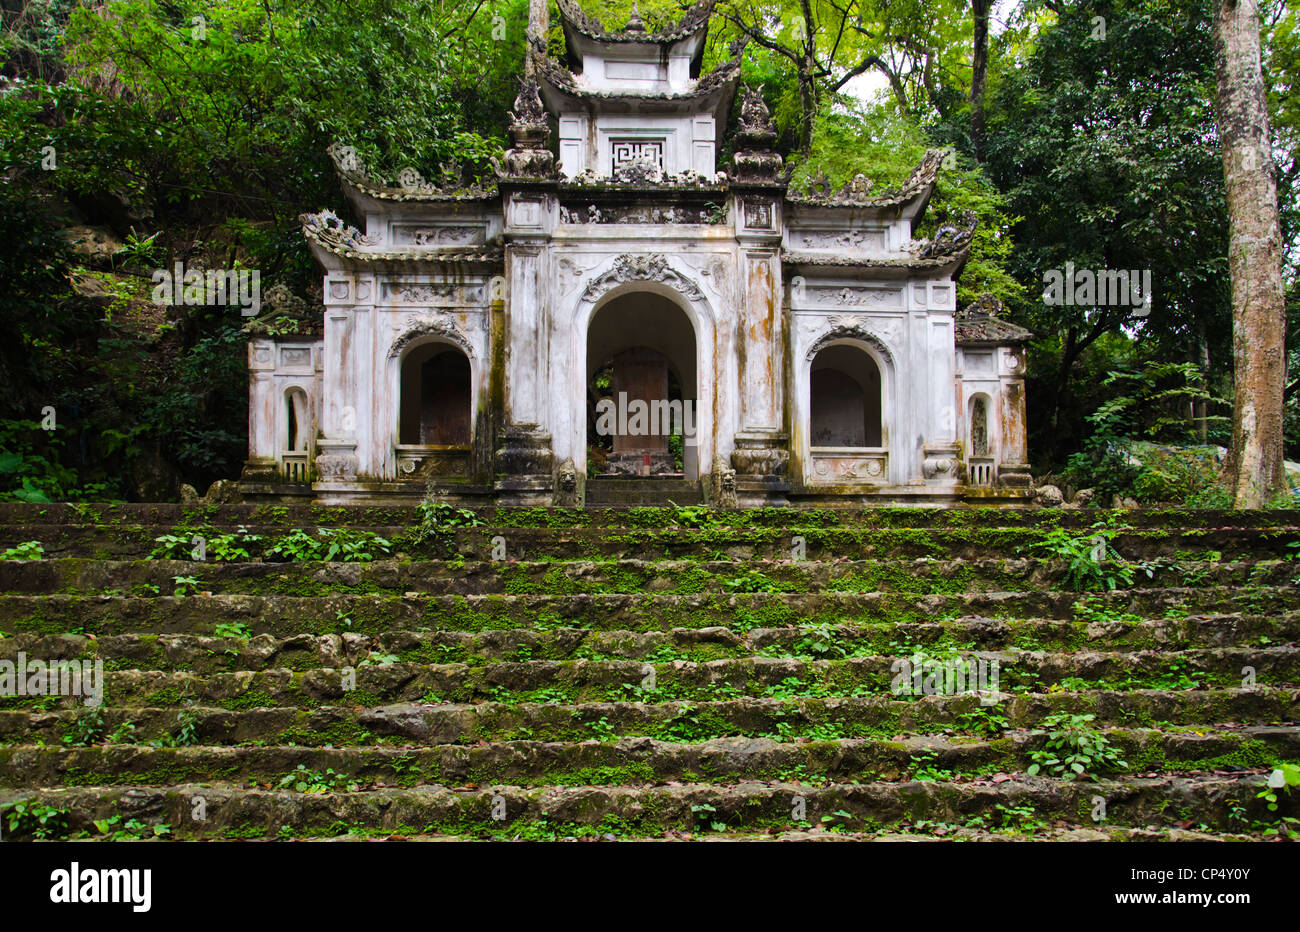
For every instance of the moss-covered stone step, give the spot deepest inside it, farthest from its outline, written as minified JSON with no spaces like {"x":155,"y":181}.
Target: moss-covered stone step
{"x":341,"y":613}
{"x":239,"y":649}
{"x":1213,"y":802}
{"x":305,"y":516}
{"x":629,"y":760}
{"x":121,"y":542}
{"x":790,"y":719}
{"x":378,"y":682}
{"x":167,"y":577}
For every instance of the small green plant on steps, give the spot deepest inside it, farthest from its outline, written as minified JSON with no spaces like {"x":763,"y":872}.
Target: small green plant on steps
{"x":327,"y":545}
{"x":1281,"y":780}
{"x":237,"y":630}
{"x":302,"y":780}
{"x":27,"y":550}
{"x":33,"y":818}
{"x":132,"y":830}
{"x":753,"y":581}
{"x":1091,"y":561}
{"x":187,"y":732}
{"x":1073,"y":748}
{"x":693,"y":516}
{"x":184,"y":585}
{"x":86,"y":729}
{"x":436,"y":526}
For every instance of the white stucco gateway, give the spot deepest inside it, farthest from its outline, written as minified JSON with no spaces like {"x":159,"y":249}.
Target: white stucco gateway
{"x":469,"y":338}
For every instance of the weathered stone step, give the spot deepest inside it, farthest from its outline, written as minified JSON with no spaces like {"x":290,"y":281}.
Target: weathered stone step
{"x":718,"y":543}
{"x":383,"y":683}
{"x":630,"y":492}
{"x":923,"y":576}
{"x":1219,"y":802}
{"x":629,"y":760}
{"x":247,"y":651}
{"x":880,"y":716}
{"x":307,"y":516}
{"x":339,"y":613}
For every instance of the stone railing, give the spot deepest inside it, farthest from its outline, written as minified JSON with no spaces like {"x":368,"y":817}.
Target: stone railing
{"x":980,"y":471}
{"x":295,"y":465}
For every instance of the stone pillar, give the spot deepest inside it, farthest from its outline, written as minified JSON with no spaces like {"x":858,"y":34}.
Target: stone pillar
{"x":929,"y":383}
{"x":525,"y":463}
{"x":762,"y":453}
{"x":1013,"y":456}
{"x":260,"y":467}
{"x":337,"y":462}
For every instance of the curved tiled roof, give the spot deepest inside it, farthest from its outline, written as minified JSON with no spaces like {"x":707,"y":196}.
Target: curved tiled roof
{"x":722,"y":77}
{"x":915,"y":263}
{"x":695,"y":19}
{"x":978,"y":323}
{"x":352,"y":172}
{"x":330,"y":233}
{"x":918,"y":184}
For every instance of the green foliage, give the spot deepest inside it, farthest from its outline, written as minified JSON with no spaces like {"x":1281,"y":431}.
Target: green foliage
{"x":31,"y":467}
{"x":131,"y":830}
{"x":183,"y":586}
{"x":1073,"y":748}
{"x":1017,"y":819}
{"x":984,"y":721}
{"x":1280,"y":780}
{"x":693,"y":516}
{"x":885,"y":147}
{"x":186,"y":734}
{"x":303,"y":780}
{"x":1091,"y":561}
{"x":33,"y":818}
{"x":328,"y":544}
{"x":235,"y":547}
{"x":924,"y":769}
{"x":753,"y":580}
{"x":437,"y":525}
{"x":1146,"y":403}
{"x":86,"y":729}
{"x":1080,"y":133}
{"x":821,"y":642}
{"x":27,"y":550}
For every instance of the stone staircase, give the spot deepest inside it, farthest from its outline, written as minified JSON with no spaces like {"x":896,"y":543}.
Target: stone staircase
{"x":651,"y":673}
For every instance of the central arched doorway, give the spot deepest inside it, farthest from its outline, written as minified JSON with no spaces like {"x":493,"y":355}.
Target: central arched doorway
{"x":642,"y":389}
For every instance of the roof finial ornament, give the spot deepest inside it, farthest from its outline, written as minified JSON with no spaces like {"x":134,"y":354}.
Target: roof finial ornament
{"x":754,"y":159}
{"x":634,"y":23}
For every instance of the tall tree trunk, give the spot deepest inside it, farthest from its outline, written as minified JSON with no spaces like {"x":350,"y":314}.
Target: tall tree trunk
{"x":979,"y":74}
{"x":539,"y":20}
{"x":807,"y":81}
{"x":808,"y":110}
{"x":1254,"y":469}
{"x":1203,"y":406}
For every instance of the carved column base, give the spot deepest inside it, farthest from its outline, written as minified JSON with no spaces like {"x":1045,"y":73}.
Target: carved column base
{"x":941,"y":465}
{"x":761,"y":461}
{"x":525,"y":470}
